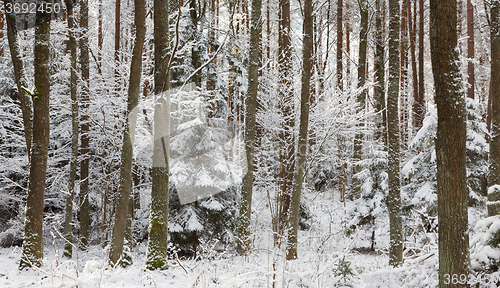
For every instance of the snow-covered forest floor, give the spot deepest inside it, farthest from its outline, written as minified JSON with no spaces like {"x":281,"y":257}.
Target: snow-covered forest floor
{"x":322,"y":250}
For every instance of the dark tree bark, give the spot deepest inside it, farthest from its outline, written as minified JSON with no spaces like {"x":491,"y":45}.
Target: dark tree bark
{"x":379,"y":94}
{"x":117,"y":40}
{"x":244,"y":242}
{"x":303,"y":130}
{"x":158,"y":219}
{"x":421,"y":79}
{"x":358,"y":138}
{"x":450,"y":144}
{"x":394,"y":197}
{"x":68,"y":225}
{"x":494,"y":157}
{"x":470,"y":49}
{"x":22,"y":86}
{"x":340,"y":37}
{"x":123,"y":197}
{"x":287,"y":150}
{"x":85,"y":127}
{"x":33,"y":226}
{"x":416,"y":123}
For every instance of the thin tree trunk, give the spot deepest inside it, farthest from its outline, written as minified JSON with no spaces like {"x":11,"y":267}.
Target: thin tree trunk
{"x":403,"y":97}
{"x":416,"y":102}
{"x":287,"y":151}
{"x":33,"y":226}
{"x":158,"y":219}
{"x":68,"y":225}
{"x":117,"y":41}
{"x":85,"y":129}
{"x":303,"y":130}
{"x":363,"y":35}
{"x":123,"y":197}
{"x":380,"y":75}
{"x":394,"y":199}
{"x":340,"y":37}
{"x":22,"y":86}
{"x":470,"y":49}
{"x":244,"y":242}
{"x":450,"y":144}
{"x":421,"y":79}
{"x":494,"y":158}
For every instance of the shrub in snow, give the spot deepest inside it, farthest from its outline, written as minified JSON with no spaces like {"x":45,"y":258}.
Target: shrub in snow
{"x":485,"y":254}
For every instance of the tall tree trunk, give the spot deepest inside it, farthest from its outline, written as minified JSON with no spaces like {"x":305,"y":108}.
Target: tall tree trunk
{"x":403,"y":97}
{"x":394,"y":197}
{"x":68,"y":225}
{"x":303,"y":130}
{"x":358,"y":138}
{"x":117,"y":41}
{"x":287,"y":151}
{"x":244,"y":242}
{"x":470,"y":49}
{"x":158,"y":219}
{"x":421,"y":90}
{"x":99,"y":35}
{"x":85,"y":129}
{"x":450,"y":144}
{"x":379,"y":94}
{"x":347,"y":22}
{"x":494,"y":158}
{"x":416,"y":102}
{"x":33,"y":226}
{"x":123,"y":197}
{"x":340,"y":37}
{"x":22,"y":85}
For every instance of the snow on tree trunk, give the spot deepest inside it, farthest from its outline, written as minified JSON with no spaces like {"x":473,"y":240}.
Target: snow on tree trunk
{"x":450,"y":144}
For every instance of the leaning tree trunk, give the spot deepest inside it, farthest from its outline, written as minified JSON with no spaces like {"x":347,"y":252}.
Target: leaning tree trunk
{"x":250,"y":114}
{"x":123,"y":197}
{"x":68,"y":225}
{"x":33,"y":226}
{"x":494,"y":158}
{"x":22,"y":86}
{"x":303,"y":131}
{"x":450,"y":144}
{"x":158,"y":219}
{"x":394,"y":197}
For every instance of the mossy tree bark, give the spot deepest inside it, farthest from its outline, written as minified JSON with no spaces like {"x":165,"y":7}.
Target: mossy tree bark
{"x":244,"y":242}
{"x":158,"y":219}
{"x":33,"y":226}
{"x":303,"y":130}
{"x":123,"y":197}
{"x":68,"y":225}
{"x":450,"y":143}
{"x":394,"y":197}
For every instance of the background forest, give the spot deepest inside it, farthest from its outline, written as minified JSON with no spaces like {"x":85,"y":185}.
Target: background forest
{"x":210,"y":143}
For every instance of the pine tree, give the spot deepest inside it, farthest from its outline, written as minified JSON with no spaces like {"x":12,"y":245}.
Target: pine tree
{"x":450,"y":143}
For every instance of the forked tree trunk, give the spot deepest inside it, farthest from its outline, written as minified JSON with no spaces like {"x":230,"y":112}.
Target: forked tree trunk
{"x":244,"y":241}
{"x":33,"y":226}
{"x":303,"y":130}
{"x":394,"y":197}
{"x":450,"y":144}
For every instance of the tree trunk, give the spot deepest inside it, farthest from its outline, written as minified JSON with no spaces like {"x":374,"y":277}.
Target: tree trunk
{"x":403,"y":97}
{"x":68,"y":225}
{"x":379,"y":94}
{"x":244,"y":242}
{"x":117,"y":41}
{"x":85,"y":129}
{"x":303,"y":130}
{"x":287,"y":151}
{"x":470,"y":49}
{"x":394,"y":197}
{"x":22,"y":86}
{"x":416,"y":102}
{"x":340,"y":37}
{"x":494,"y":158}
{"x":33,"y":227}
{"x":450,"y":144}
{"x":421,"y":90}
{"x":158,"y":219}
{"x":363,"y":35}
